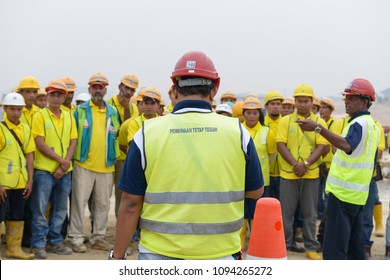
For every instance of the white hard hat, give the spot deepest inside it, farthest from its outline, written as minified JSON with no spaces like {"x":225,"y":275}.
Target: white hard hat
{"x":13,"y":99}
{"x":224,"y":108}
{"x":83,"y":97}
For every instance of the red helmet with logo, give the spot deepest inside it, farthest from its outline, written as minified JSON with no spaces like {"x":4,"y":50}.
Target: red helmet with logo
{"x":360,"y":87}
{"x":195,"y":64}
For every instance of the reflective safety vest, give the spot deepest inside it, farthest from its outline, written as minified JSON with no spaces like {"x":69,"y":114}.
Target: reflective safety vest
{"x":12,"y":159}
{"x":300,"y":145}
{"x":57,"y":141}
{"x":260,"y":141}
{"x":329,"y":156}
{"x":274,"y":164}
{"x":195,"y":171}
{"x":350,"y":175}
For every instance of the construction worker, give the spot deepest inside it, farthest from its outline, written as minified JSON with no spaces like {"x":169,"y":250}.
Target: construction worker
{"x":224,"y":109}
{"x":265,"y":143}
{"x":237,"y":110}
{"x":326,"y":110}
{"x":121,"y":101}
{"x":350,"y":173}
{"x":126,"y":109}
{"x":288,"y":106}
{"x":71,"y":87}
{"x":28,"y":87}
{"x":41,"y":99}
{"x":171,"y":96}
{"x":151,"y":98}
{"x":82,"y":97}
{"x":316,"y":105}
{"x":273,"y":102}
{"x":299,"y":159}
{"x":16,"y":173}
{"x":228,"y":96}
{"x":175,"y":220}
{"x":55,"y":133}
{"x":93,"y":171}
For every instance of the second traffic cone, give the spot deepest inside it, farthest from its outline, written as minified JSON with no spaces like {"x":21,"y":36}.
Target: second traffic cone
{"x":266,"y":239}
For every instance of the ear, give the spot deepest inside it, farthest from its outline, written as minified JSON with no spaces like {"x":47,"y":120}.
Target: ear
{"x":213,"y":92}
{"x":175,"y":92}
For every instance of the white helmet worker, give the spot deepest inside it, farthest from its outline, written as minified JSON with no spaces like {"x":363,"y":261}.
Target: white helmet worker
{"x":83,"y":97}
{"x":13,"y":99}
{"x":224,"y":108}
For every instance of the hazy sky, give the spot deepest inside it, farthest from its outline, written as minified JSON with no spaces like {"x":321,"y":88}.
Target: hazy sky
{"x":256,"y":45}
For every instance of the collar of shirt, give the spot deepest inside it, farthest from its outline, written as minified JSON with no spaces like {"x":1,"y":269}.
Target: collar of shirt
{"x":185,"y":106}
{"x":11,"y":125}
{"x":358,"y":115}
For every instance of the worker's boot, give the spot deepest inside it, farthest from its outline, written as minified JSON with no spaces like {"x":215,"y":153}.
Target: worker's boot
{"x":367,"y":252}
{"x":14,"y":234}
{"x":379,"y":232}
{"x":387,"y":254}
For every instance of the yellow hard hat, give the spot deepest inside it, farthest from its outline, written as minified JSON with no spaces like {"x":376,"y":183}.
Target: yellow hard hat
{"x":152,"y":93}
{"x":272,"y":95}
{"x":130,"y":80}
{"x":98,"y":79}
{"x":56,"y":85}
{"x":41,"y":91}
{"x":162,"y":103}
{"x":251,"y":103}
{"x":70,"y":83}
{"x":228,"y":95}
{"x":288,"y":100}
{"x":316,"y":101}
{"x":28,"y":82}
{"x":328,"y":102}
{"x":237,"y":109}
{"x":304,"y":90}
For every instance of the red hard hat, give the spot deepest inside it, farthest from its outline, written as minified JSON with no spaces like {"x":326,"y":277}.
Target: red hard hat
{"x":360,"y":87}
{"x":196,"y":64}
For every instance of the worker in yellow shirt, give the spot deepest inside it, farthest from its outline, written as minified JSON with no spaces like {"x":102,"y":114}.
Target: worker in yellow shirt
{"x":16,"y":173}
{"x":28,"y":87}
{"x":126,"y":110}
{"x":288,"y":106}
{"x":41,"y":99}
{"x":151,"y":98}
{"x":273,"y":101}
{"x":265,"y":144}
{"x":121,"y":101}
{"x":299,"y":159}
{"x":71,"y":87}
{"x":93,"y":172}
{"x":55,"y":134}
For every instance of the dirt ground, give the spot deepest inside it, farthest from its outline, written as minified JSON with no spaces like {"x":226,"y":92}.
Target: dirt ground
{"x":378,"y":248}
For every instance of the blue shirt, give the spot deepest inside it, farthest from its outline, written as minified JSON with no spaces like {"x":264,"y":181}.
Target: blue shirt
{"x":133,"y":181}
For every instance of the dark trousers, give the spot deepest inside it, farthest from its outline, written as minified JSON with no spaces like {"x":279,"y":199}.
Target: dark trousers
{"x":343,"y":239}
{"x":13,"y":207}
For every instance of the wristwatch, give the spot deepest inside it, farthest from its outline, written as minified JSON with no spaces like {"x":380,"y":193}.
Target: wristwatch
{"x":111,"y":256}
{"x":306,"y":163}
{"x":318,"y":128}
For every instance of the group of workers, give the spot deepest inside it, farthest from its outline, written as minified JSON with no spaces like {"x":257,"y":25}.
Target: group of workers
{"x":188,"y":181}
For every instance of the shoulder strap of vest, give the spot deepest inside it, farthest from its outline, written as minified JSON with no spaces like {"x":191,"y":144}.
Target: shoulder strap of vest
{"x":330,"y":124}
{"x":13,"y":134}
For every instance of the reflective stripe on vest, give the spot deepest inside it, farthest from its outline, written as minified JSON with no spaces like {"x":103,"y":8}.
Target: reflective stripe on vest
{"x":58,"y":141}
{"x":181,"y":207}
{"x":350,"y":175}
{"x":12,"y":159}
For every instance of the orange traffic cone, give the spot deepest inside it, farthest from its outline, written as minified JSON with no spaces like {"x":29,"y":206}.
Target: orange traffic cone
{"x":266,"y":239}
